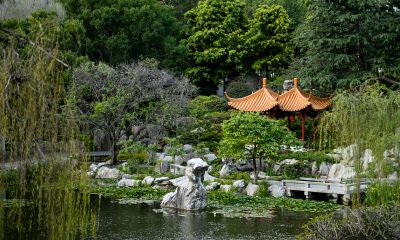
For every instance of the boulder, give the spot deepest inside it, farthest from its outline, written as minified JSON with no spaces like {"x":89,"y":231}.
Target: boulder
{"x":128,"y":183}
{"x":239,"y":185}
{"x":314,"y":168}
{"x":105,"y":172}
{"x":260,"y":175}
{"x":191,"y":195}
{"x":155,"y":132}
{"x":210,"y":157}
{"x":349,"y":153}
{"x":289,"y":161}
{"x":277,"y":190}
{"x":179,"y":160}
{"x":276,"y":169}
{"x":162,"y":166}
{"x":94,"y":167}
{"x":208,"y":177}
{"x":340,"y":171}
{"x":213,"y":186}
{"x":226,"y":169}
{"x":123,"y":136}
{"x":161,"y":179}
{"x":101,"y":140}
{"x":136,"y":130}
{"x":252,"y":189}
{"x":226,"y":188}
{"x":177,"y":169}
{"x":127,"y":176}
{"x":148,"y":181}
{"x":168,"y":158}
{"x":176,"y":182}
{"x":393,"y":176}
{"x":187,"y":148}
{"x":324,"y":169}
{"x":244,"y":165}
{"x":366,"y":159}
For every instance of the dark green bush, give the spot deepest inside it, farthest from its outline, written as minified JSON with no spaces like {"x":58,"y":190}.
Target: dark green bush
{"x":292,"y":171}
{"x":202,"y":105}
{"x":238,"y":89}
{"x":311,"y":156}
{"x":217,"y":117}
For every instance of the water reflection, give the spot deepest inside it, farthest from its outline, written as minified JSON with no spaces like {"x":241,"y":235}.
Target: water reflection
{"x":144,"y":221}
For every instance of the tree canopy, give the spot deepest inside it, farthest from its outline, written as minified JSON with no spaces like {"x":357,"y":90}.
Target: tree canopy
{"x":223,"y":42}
{"x":347,"y":41}
{"x":252,"y":136}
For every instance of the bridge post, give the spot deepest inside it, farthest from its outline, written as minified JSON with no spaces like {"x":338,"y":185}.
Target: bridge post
{"x":346,"y":199}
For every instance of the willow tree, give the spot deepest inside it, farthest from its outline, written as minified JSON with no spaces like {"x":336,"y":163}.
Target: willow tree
{"x":46,"y":194}
{"x":369,"y":119}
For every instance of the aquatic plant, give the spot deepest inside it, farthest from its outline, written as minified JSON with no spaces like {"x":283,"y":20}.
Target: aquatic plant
{"x":38,"y":131}
{"x":219,"y":199}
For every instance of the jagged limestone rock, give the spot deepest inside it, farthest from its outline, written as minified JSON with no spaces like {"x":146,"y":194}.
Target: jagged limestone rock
{"x":191,"y":195}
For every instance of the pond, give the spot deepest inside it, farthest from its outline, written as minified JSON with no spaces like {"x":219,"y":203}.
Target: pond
{"x":148,"y":221}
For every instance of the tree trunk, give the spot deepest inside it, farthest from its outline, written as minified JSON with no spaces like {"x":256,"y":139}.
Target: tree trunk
{"x":114,"y":152}
{"x":255,"y":170}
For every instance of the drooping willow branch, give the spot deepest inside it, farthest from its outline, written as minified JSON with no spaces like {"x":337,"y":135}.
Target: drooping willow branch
{"x":28,"y":41}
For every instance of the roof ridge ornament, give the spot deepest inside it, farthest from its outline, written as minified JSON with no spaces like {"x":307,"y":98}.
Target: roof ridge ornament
{"x":264,"y":82}
{"x":295,"y":82}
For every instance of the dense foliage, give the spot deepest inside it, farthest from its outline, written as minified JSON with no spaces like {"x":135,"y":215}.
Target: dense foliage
{"x":369,"y":223}
{"x":122,"y":31}
{"x":346,"y":42}
{"x":223,"y":42}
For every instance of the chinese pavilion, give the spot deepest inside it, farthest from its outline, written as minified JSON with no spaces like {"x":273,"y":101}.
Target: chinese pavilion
{"x":288,"y":104}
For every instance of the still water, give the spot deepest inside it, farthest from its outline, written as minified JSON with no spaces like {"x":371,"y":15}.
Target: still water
{"x":148,"y":221}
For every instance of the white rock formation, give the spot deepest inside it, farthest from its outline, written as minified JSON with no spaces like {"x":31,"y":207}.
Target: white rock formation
{"x":226,"y":188}
{"x":252,"y":189}
{"x":393,"y":176}
{"x":213,"y":186}
{"x":148,"y":181}
{"x":191,"y":195}
{"x":105,"y":172}
{"x":210,"y":157}
{"x":340,"y":171}
{"x":128,"y":183}
{"x":239,"y":185}
{"x":324,"y":169}
{"x":277,"y":190}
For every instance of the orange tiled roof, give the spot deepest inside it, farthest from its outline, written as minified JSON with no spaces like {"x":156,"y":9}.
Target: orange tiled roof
{"x":296,"y":100}
{"x":265,"y":99}
{"x":262,"y":100}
